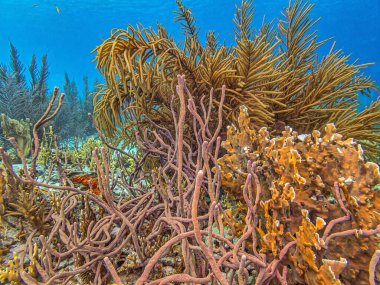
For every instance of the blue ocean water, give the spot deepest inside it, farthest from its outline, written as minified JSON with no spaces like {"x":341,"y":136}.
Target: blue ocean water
{"x":68,"y":30}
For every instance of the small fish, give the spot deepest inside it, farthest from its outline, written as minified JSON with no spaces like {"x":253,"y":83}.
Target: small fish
{"x":57,"y":8}
{"x":35,"y":5}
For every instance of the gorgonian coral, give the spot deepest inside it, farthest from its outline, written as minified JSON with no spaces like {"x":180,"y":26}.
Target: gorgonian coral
{"x":296,"y":220}
{"x":275,"y":73}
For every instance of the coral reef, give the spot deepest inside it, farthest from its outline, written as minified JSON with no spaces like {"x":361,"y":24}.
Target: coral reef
{"x":321,"y":177}
{"x":250,"y":167}
{"x":24,"y":96}
{"x":275,"y":73}
{"x":302,"y":200}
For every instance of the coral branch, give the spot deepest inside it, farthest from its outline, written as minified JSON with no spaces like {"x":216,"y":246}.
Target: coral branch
{"x":112,"y":270}
{"x":372,"y":267}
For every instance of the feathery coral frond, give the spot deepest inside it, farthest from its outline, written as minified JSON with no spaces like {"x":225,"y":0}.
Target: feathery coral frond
{"x":16,"y":66}
{"x":275,"y":73}
{"x":186,"y":19}
{"x":33,"y":70}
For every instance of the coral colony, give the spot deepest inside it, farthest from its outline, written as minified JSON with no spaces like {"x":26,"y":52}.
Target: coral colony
{"x":213,"y":164}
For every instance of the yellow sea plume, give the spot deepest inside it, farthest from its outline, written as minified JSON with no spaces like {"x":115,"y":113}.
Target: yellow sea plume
{"x":274,"y":71}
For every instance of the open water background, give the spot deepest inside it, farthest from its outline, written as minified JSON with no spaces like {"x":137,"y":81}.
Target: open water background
{"x":69,"y":37}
